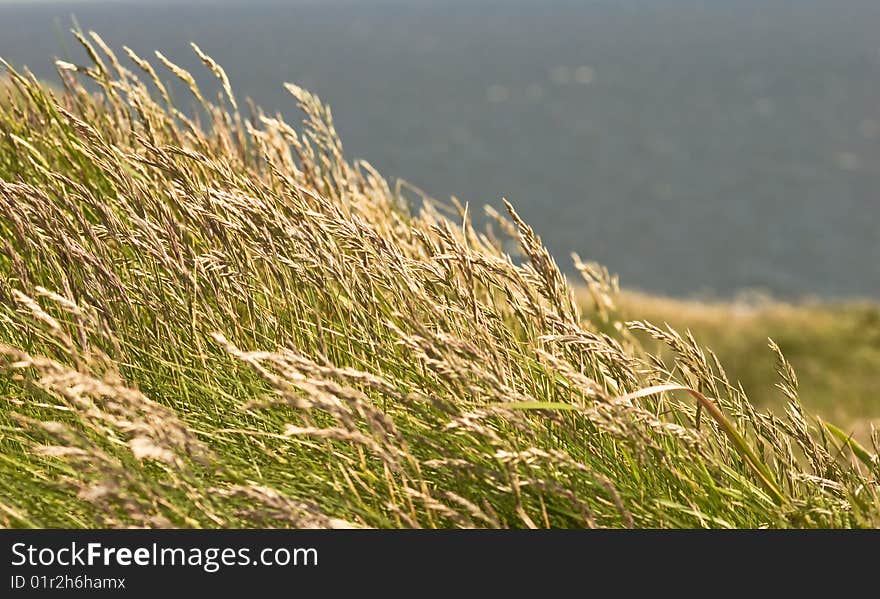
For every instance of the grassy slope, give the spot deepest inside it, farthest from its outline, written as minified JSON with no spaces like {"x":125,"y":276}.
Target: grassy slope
{"x":834,"y":348}
{"x":238,"y":327}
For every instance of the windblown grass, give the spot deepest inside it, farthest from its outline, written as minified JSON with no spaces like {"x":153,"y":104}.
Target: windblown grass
{"x":225,"y":323}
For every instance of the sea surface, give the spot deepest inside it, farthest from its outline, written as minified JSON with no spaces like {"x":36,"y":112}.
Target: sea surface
{"x":694,"y":147}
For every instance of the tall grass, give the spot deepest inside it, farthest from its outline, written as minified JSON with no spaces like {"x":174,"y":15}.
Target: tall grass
{"x":210,"y":318}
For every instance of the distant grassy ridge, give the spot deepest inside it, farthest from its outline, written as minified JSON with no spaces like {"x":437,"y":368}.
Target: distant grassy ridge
{"x":833,"y":346}
{"x":221,"y":321}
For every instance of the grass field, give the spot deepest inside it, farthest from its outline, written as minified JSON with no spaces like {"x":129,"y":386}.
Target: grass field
{"x":211,"y":318}
{"x":833,"y":347}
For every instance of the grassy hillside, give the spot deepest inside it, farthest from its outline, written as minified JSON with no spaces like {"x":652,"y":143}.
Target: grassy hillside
{"x":833,"y":347}
{"x":220,"y":321}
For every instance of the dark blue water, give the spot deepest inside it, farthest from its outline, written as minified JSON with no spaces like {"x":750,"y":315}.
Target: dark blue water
{"x":692,"y":147}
